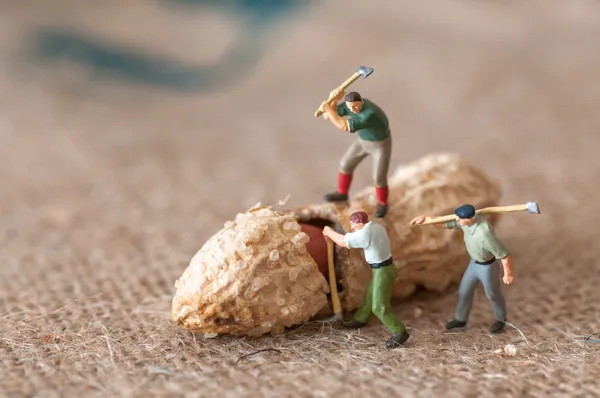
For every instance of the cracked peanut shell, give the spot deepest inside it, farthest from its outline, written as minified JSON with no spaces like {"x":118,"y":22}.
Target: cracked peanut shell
{"x":255,"y":275}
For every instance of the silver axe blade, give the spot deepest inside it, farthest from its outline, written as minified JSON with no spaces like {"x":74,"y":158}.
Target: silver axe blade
{"x":532,"y":207}
{"x":364,"y":71}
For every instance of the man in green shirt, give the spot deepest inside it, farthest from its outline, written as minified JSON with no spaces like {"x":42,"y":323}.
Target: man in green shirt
{"x":484,"y":249}
{"x":371,"y":125}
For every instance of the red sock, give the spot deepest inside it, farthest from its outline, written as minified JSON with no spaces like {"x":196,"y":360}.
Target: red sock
{"x":344,"y":181}
{"x":382,"y":194}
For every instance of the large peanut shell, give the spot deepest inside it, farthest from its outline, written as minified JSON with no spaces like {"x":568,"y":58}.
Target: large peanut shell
{"x":256,"y":276}
{"x":252,"y":277}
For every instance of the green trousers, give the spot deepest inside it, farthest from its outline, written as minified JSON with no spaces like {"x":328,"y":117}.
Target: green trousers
{"x":377,"y":300}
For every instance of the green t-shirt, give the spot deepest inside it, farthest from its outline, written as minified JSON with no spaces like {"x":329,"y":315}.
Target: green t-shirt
{"x":370,"y":123}
{"x":482,"y":245}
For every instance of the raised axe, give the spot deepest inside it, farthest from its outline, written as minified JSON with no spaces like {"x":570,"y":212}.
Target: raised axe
{"x":363,"y":71}
{"x":529,"y":207}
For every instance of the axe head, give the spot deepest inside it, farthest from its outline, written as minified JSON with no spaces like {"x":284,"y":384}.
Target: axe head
{"x":364,"y":71}
{"x":532,"y":207}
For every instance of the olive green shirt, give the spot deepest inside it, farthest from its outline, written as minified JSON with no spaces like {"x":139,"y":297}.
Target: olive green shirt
{"x":482,"y":245}
{"x":371,"y":123}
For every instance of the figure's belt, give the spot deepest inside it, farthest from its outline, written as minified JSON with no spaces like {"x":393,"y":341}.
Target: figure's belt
{"x":488,"y":262}
{"x":382,"y":264}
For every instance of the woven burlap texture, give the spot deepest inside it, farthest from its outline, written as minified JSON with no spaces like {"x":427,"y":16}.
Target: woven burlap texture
{"x":108,"y":189}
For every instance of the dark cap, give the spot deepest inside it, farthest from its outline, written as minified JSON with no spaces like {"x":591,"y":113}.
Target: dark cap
{"x":352,"y":97}
{"x":465,"y":211}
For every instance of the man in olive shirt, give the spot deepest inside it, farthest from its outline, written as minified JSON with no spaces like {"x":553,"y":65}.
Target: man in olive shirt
{"x":374,"y":240}
{"x":373,"y":130}
{"x":484,"y":249}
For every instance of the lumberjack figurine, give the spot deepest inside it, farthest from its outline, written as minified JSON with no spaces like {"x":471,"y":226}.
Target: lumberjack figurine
{"x":484,"y":249}
{"x":372,"y":127}
{"x":373,"y":238}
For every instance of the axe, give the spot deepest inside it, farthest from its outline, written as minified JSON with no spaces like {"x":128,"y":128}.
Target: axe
{"x":335,"y":299}
{"x":529,"y":207}
{"x":363,"y":71}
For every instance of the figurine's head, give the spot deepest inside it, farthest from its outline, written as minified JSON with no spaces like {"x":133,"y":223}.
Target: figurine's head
{"x":465,"y":215}
{"x":358,"y":220}
{"x":354,"y":102}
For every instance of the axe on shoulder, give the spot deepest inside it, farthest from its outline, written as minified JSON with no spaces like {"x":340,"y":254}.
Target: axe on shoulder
{"x":529,"y":207}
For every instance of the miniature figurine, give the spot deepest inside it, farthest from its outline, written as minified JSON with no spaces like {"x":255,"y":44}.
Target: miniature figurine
{"x":372,"y":127}
{"x":373,"y":239}
{"x":484,"y":249}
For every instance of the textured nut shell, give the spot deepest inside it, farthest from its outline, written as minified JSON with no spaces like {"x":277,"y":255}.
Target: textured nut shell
{"x":253,"y":277}
{"x":236,"y":284}
{"x":433,"y":258}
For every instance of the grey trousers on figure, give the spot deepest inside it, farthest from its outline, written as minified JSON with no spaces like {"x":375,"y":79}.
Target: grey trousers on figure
{"x":489,"y":275}
{"x":381,"y":152}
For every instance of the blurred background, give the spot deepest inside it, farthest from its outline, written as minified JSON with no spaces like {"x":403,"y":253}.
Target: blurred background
{"x":131,"y":131}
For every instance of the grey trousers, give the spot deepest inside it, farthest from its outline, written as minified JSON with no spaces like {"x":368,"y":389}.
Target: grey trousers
{"x":489,"y":275}
{"x":380,"y":151}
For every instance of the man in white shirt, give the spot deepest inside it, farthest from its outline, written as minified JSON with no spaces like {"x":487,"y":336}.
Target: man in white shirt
{"x":373,"y":239}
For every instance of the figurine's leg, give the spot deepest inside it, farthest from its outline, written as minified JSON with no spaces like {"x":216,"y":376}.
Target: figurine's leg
{"x":362,"y":315}
{"x":382,"y":294}
{"x":466,"y":292}
{"x":490,"y":277}
{"x":353,"y":156}
{"x":382,"y":154}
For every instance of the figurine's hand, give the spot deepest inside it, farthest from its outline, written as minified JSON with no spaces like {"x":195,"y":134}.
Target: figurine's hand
{"x":336,"y":94}
{"x":325,"y":106}
{"x":418,"y":220}
{"x":326,"y":230}
{"x":508,"y":279}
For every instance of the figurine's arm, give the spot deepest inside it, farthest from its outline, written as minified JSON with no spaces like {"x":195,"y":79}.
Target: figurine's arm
{"x":358,"y":123}
{"x":507,"y":264}
{"x":334,"y":116}
{"x":452,"y":224}
{"x":336,"y":237}
{"x":337,"y":106}
{"x":500,"y":252}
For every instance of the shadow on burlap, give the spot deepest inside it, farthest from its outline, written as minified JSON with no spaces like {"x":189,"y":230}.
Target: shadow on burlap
{"x":109,"y":188}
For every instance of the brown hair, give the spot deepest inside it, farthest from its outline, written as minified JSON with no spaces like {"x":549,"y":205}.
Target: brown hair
{"x":360,"y":217}
{"x":352,"y":97}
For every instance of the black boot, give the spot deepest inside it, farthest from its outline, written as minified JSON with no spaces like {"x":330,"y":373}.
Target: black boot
{"x":454,"y":324}
{"x":354,"y":324}
{"x":381,"y":211}
{"x":497,"y":327}
{"x":397,"y":340}
{"x":335,"y":197}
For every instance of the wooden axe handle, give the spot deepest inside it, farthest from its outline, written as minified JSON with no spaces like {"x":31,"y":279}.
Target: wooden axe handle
{"x":487,"y":210}
{"x":342,"y":87}
{"x":335,"y":299}
{"x":503,"y":209}
{"x":436,"y":220}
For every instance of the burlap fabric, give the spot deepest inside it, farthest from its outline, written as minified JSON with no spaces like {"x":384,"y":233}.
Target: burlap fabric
{"x":108,"y":188}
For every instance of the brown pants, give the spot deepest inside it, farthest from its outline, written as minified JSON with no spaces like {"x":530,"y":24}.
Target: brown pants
{"x":380,"y":151}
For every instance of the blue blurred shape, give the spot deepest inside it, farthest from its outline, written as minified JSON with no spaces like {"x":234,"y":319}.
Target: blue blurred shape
{"x":131,"y":65}
{"x":261,"y":11}
{"x":124,"y":63}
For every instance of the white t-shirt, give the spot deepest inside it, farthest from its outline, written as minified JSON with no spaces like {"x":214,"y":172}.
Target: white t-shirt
{"x":373,"y":238}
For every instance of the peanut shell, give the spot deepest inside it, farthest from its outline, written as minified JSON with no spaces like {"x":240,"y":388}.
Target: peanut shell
{"x":255,"y":275}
